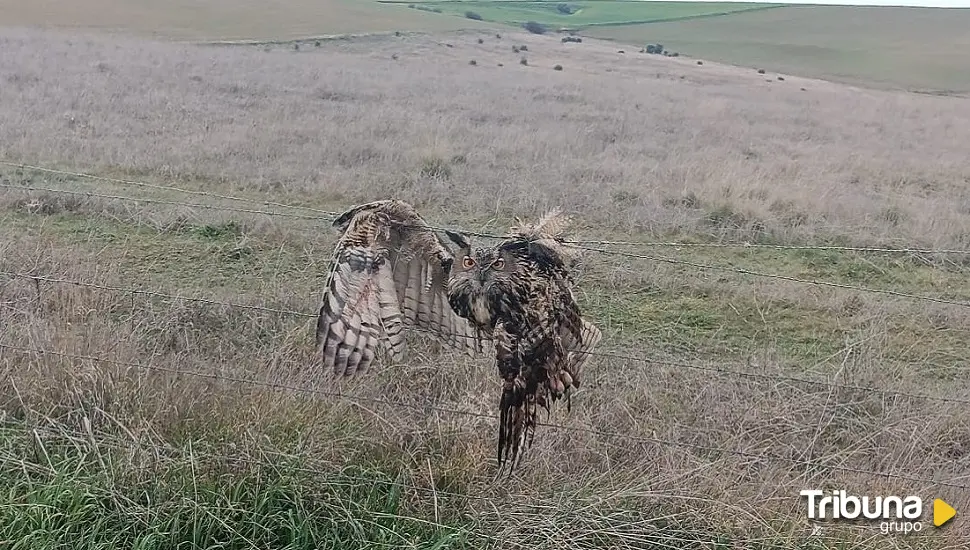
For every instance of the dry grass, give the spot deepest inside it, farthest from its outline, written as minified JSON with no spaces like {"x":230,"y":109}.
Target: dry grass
{"x":667,"y":149}
{"x":229,"y":19}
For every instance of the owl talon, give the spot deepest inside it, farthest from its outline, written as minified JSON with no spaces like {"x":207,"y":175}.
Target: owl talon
{"x":567,"y":380}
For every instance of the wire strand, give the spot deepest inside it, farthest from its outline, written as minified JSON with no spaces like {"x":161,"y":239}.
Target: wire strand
{"x":765,"y":246}
{"x":135,"y":183}
{"x":161,"y":201}
{"x":609,"y":354}
{"x":789,"y":278}
{"x":601,"y":242}
{"x":459,"y":412}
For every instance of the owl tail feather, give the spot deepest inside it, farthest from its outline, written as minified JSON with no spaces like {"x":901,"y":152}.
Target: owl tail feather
{"x":517,"y":424}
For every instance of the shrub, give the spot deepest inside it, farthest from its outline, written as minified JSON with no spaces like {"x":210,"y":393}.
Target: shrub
{"x":480,"y":41}
{"x":534,"y":27}
{"x":523,"y":48}
{"x":473,"y":62}
{"x":761,"y":71}
{"x":523,"y":61}
{"x":435,"y":167}
{"x":473,"y":15}
{"x":557,"y":68}
{"x":565,"y":9}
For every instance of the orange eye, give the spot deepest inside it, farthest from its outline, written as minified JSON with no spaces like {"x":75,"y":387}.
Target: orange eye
{"x":467,"y":262}
{"x":499,"y":263}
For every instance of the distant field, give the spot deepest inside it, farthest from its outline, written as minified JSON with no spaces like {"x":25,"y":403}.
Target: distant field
{"x":584,"y":13}
{"x":227,"y":19}
{"x":915,"y":48}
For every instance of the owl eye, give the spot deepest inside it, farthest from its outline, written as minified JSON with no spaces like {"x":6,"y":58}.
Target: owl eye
{"x":499,"y":263}
{"x":467,"y":262}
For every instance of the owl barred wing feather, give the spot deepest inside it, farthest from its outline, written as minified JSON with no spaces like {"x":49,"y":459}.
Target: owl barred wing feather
{"x":388,"y":272}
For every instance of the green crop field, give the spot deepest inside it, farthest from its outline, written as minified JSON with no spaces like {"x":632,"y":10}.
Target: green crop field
{"x":583,"y":13}
{"x":915,"y":48}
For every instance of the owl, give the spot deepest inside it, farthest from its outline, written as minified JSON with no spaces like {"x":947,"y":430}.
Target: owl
{"x":391,"y":271}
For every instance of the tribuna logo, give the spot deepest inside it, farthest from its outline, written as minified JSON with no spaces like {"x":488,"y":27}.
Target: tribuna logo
{"x":896,"y":514}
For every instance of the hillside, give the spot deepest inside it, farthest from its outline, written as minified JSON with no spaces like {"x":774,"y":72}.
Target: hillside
{"x":228,"y":19}
{"x":913,"y":48}
{"x":787,"y":308}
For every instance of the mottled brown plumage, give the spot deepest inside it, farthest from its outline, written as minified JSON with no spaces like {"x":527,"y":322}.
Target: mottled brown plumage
{"x":391,"y":270}
{"x":388,"y":271}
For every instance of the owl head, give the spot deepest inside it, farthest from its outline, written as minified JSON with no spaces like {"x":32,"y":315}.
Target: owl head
{"x":481,"y":267}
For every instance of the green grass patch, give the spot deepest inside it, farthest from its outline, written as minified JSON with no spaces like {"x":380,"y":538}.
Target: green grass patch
{"x":181,"y":255}
{"x":584,"y":13}
{"x":60,"y":493}
{"x":913,"y":48}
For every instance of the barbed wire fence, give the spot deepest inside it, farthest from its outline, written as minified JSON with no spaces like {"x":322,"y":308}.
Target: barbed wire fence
{"x":476,"y":414}
{"x":329,"y":216}
{"x":614,"y":354}
{"x":591,"y":245}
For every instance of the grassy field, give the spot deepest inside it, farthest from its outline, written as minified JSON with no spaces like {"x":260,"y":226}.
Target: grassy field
{"x":914,"y":48}
{"x":584,"y":14}
{"x":228,"y":19}
{"x":191,"y":415}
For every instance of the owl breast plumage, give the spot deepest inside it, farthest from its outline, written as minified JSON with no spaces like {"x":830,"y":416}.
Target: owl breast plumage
{"x":390,"y":271}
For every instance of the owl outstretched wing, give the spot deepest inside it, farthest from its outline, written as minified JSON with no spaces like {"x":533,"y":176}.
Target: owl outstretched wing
{"x":389,"y":271}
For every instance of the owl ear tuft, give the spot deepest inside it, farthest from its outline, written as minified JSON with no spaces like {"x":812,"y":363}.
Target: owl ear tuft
{"x":458,"y":239}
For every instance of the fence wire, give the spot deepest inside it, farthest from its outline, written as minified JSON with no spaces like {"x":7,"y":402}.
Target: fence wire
{"x":330,"y":215}
{"x":171,"y":188}
{"x":459,"y":412}
{"x":574,"y":244}
{"x":612,"y":354}
{"x":91,"y":194}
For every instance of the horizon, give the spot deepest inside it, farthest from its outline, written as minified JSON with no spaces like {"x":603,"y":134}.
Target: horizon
{"x":949,"y":4}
